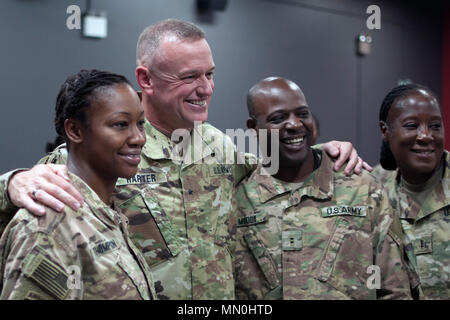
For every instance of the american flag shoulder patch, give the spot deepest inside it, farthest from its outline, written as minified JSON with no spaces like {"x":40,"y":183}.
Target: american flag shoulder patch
{"x":47,"y":274}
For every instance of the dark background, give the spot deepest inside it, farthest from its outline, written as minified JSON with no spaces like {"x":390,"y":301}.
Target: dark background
{"x":309,"y":42}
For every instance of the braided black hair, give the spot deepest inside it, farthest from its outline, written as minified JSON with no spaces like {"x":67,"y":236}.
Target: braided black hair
{"x":387,"y":159}
{"x":77,"y":92}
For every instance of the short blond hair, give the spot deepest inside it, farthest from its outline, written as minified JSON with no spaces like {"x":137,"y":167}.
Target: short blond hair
{"x":151,"y":37}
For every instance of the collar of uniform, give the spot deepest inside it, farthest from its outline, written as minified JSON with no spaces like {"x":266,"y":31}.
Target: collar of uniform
{"x":201,"y":142}
{"x":437,"y":199}
{"x":158,"y":146}
{"x":268,"y":187}
{"x":58,"y":155}
{"x":318,"y":185}
{"x":92,"y":200}
{"x":446,"y":178}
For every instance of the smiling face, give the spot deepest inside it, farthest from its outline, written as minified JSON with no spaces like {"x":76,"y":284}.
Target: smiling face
{"x":280,"y":104}
{"x":114,"y":135}
{"x":415,"y":135}
{"x":182,"y":84}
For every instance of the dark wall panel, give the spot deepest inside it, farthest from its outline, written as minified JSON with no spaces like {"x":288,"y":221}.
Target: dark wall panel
{"x":310,"y":42}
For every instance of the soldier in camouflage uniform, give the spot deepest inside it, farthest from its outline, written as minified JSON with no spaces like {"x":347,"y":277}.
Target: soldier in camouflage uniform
{"x":84,"y":254}
{"x":181,"y":216}
{"x":413,"y":144}
{"x":308,"y":232}
{"x":181,"y":213}
{"x":38,"y":255}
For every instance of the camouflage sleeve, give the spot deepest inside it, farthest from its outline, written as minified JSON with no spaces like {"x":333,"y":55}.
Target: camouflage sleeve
{"x":5,"y":203}
{"x":394,"y":280}
{"x":247,"y":163}
{"x":240,"y":249}
{"x":35,"y":266}
{"x":7,"y":208}
{"x":58,"y":156}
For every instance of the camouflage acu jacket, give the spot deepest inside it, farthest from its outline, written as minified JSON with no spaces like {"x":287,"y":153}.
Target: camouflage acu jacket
{"x":72,"y":255}
{"x":332,"y":237}
{"x":427,"y":233}
{"x":381,"y":174}
{"x":182,"y":212}
{"x":7,"y":209}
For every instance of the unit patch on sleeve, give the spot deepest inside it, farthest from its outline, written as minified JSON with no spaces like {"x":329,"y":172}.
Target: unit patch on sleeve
{"x":47,"y":274}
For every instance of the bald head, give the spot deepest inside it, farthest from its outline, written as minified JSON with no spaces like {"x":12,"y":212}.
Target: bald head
{"x":272,"y":91}
{"x":278,"y":109}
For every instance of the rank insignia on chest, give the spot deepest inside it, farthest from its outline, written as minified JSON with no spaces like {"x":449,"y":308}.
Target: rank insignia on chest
{"x":291,"y":240}
{"x":423,"y":245}
{"x":220,"y":170}
{"x":358,"y":211}
{"x":143,"y":178}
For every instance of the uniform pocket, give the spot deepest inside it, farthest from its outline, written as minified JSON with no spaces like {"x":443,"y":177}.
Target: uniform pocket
{"x":150,"y":228}
{"x":328,"y":260}
{"x":423,"y":250}
{"x":432,"y":265}
{"x":107,"y":278}
{"x":345,"y":261}
{"x":263,"y":258}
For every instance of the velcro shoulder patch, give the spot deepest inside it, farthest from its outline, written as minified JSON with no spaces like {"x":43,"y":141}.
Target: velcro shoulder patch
{"x":220,"y":170}
{"x":342,"y":210}
{"x":143,"y":178}
{"x":252,"y":219}
{"x":47,"y":274}
{"x":33,"y":295}
{"x":105,"y":247}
